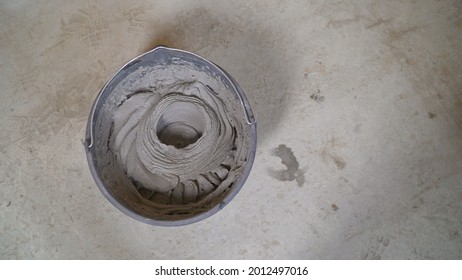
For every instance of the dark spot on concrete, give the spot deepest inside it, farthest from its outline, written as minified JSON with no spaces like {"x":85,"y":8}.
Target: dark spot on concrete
{"x":8,"y":205}
{"x":334,"y":207}
{"x":343,"y":22}
{"x":317,"y":96}
{"x":339,"y":162}
{"x":292,"y":171}
{"x":415,"y":206}
{"x":275,"y":243}
{"x":431,"y":115}
{"x":344,"y":179}
{"x":396,"y":35}
{"x":380,"y":21}
{"x":453,"y":235}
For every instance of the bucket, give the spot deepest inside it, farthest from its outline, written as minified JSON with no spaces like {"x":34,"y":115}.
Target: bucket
{"x":171,"y":138}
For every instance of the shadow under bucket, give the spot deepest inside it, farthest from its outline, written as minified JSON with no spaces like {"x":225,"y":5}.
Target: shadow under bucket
{"x":171,"y":138}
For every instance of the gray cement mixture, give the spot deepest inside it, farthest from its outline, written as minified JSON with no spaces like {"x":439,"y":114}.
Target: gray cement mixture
{"x":177,"y":139}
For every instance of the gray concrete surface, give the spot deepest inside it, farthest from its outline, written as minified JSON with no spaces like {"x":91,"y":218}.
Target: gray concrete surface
{"x":366,"y":94}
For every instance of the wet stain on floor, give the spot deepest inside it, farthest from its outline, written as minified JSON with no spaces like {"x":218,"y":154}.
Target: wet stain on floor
{"x":292,"y":171}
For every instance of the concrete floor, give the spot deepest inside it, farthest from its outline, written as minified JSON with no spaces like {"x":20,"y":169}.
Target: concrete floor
{"x":366,"y":94}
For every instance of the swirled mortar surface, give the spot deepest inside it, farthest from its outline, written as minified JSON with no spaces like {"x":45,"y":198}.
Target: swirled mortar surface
{"x":176,"y":137}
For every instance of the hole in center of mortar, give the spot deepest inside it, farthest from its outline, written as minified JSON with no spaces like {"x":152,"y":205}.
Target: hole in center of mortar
{"x":180,"y":125}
